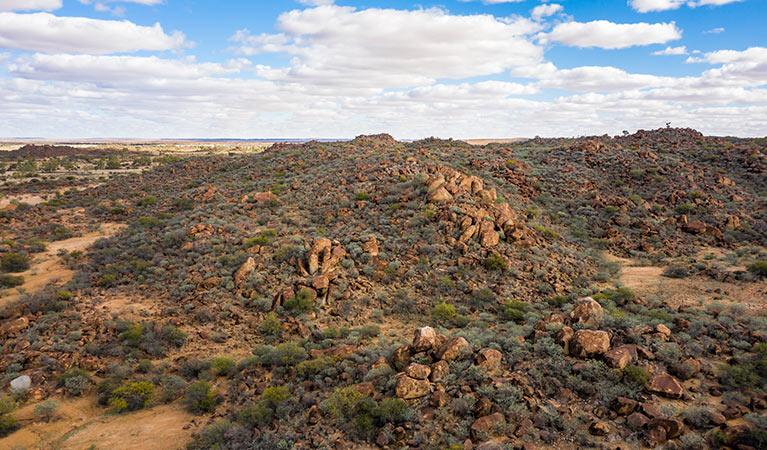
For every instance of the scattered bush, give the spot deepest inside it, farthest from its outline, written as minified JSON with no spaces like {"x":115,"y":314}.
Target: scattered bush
{"x":10,"y":281}
{"x":495,"y":262}
{"x":636,"y":375}
{"x":443,"y":312}
{"x":302,"y":302}
{"x":14,"y":262}
{"x":201,"y":398}
{"x":47,"y":410}
{"x":132,"y":396}
{"x":75,"y":381}
{"x":758,"y":268}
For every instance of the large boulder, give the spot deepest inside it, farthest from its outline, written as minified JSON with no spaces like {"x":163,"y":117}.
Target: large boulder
{"x":244,"y":272}
{"x":587,"y":311}
{"x":453,"y":349}
{"x":440,"y":195}
{"x":21,"y":385}
{"x":408,"y":388}
{"x":620,"y":357}
{"x":489,"y":359}
{"x":589,"y":343}
{"x":665,"y":385}
{"x":488,"y":237}
{"x":13,"y":327}
{"x":439,"y":370}
{"x":424,"y":339}
{"x":487,"y":426}
{"x":418,"y":371}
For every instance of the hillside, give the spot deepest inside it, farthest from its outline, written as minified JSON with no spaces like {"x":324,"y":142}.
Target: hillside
{"x":381,"y":294}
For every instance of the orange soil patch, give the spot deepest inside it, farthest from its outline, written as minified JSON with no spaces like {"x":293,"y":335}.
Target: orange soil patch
{"x":695,"y":290}
{"x":82,"y":424}
{"x":47,"y":268}
{"x":31,"y":199}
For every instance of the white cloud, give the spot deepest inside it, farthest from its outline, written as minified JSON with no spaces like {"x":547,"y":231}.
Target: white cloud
{"x":546,"y":10}
{"x":589,"y":78}
{"x":342,"y":46}
{"x":43,"y":32}
{"x":316,"y":2}
{"x":609,"y":35}
{"x":111,"y":69}
{"x":644,"y":6}
{"x":30,"y":5}
{"x":668,"y":51}
{"x":714,"y":30}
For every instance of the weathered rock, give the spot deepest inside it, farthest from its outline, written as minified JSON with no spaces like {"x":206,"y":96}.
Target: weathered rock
{"x":620,"y":357}
{"x":672,"y":427}
{"x":263,"y":197}
{"x":424,"y":339}
{"x":483,"y":407}
{"x":409,"y":388}
{"x":320,"y":283}
{"x":468,"y":233}
{"x":624,"y":406}
{"x":487,"y":426}
{"x":488,"y":237}
{"x":589,"y":343}
{"x":21,"y":385}
{"x":564,"y":336}
{"x":489,"y":359}
{"x":439,"y":399}
{"x":453,"y":349}
{"x":637,"y":421}
{"x":13,"y":327}
{"x":244,"y":272}
{"x":599,"y":428}
{"x":439,"y":371}
{"x":371,"y":247}
{"x":665,"y":385}
{"x":587,"y":311}
{"x":401,"y":357}
{"x":440,"y":195}
{"x":418,"y":371}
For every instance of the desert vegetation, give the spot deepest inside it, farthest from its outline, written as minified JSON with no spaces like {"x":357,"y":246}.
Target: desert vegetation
{"x":381,"y":294}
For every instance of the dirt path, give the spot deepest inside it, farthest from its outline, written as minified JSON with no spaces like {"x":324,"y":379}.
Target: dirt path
{"x":47,"y":268}
{"x":84,"y":425}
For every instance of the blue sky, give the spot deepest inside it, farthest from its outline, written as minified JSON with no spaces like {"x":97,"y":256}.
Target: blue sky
{"x":319,"y":68}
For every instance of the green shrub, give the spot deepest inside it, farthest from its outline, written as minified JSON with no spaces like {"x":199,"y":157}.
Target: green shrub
{"x":343,"y":403}
{"x":362,"y":196}
{"x":75,"y":381}
{"x":14,"y":262}
{"x":47,"y":410}
{"x":132,"y":396}
{"x":106,"y":281}
{"x":758,"y":268}
{"x":514,"y":310}
{"x":302,"y":302}
{"x":224,"y":366}
{"x":265,"y":409}
{"x":7,"y":423}
{"x":288,"y":354}
{"x":149,"y":200}
{"x":443,"y":312}
{"x":495,"y":262}
{"x":636,"y":375}
{"x":201,"y":398}
{"x":10,"y":281}
{"x":271,"y":325}
{"x":311,"y":367}
{"x":132,"y":336}
{"x":393,"y":410}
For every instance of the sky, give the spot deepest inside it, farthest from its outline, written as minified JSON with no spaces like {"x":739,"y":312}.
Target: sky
{"x":336,"y":69}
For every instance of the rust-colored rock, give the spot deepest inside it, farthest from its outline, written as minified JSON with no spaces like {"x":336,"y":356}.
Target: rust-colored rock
{"x":424,"y":339}
{"x":244,"y":272}
{"x":589,"y":343}
{"x":487,"y":426}
{"x":440,"y":195}
{"x":453,"y":349}
{"x":439,"y":370}
{"x":13,"y":327}
{"x":489,"y":359}
{"x":408,"y":388}
{"x":665,"y":385}
{"x":587,"y":311}
{"x":620,"y":357}
{"x":418,"y":371}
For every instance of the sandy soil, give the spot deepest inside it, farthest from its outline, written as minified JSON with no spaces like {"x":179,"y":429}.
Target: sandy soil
{"x":83,"y":424}
{"x":47,"y":268}
{"x":694,"y":290}
{"x":493,"y":141}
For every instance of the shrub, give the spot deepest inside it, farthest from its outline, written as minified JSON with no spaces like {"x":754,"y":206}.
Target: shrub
{"x":302,"y":302}
{"x":266,"y":408}
{"x":172,"y":388}
{"x":362,"y":196}
{"x":14,"y":262}
{"x":758,"y":268}
{"x":495,"y":262}
{"x":636,"y":375}
{"x":692,"y":441}
{"x":9,"y":281}
{"x":149,"y":200}
{"x":393,"y":410}
{"x":47,"y":410}
{"x":132,"y":396}
{"x":200,"y":398}
{"x":75,"y":381}
{"x":484,"y":296}
{"x":106,"y":281}
{"x":288,"y":354}
{"x":443,"y":312}
{"x":343,"y":403}
{"x":271,"y":325}
{"x":514,"y":310}
{"x":224,"y":366}
{"x":311,"y":367}
{"x":7,"y":423}
{"x":132,"y":336}
{"x":676,"y":271}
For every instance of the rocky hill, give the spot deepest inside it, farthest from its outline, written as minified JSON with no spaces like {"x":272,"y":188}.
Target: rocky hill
{"x":433,"y":294}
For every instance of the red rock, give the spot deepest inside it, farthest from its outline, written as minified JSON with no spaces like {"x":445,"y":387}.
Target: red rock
{"x":453,"y":349}
{"x":589,"y":343}
{"x":489,"y":359}
{"x":666,"y":385}
{"x":439,"y":371}
{"x":418,"y":371}
{"x":488,"y":426}
{"x":587,"y":311}
{"x":424,"y":339}
{"x":409,"y":388}
{"x":620,"y":357}
{"x":439,"y":399}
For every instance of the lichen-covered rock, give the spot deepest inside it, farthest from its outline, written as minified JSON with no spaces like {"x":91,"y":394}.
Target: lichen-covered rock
{"x":587,"y":311}
{"x":665,"y":385}
{"x":589,"y":343}
{"x":620,"y":357}
{"x":488,"y":426}
{"x":453,"y":349}
{"x":408,"y":388}
{"x":424,"y":339}
{"x":244,"y":272}
{"x":418,"y":371}
{"x":489,"y":359}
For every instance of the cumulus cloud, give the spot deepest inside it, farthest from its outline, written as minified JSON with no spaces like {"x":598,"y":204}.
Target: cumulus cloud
{"x":644,"y":6}
{"x":546,"y":10}
{"x":109,"y":69}
{"x":668,"y":51}
{"x":316,"y":2}
{"x":43,"y":32}
{"x":30,"y":5}
{"x":343,"y":46}
{"x":589,"y":78}
{"x":609,"y":35}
